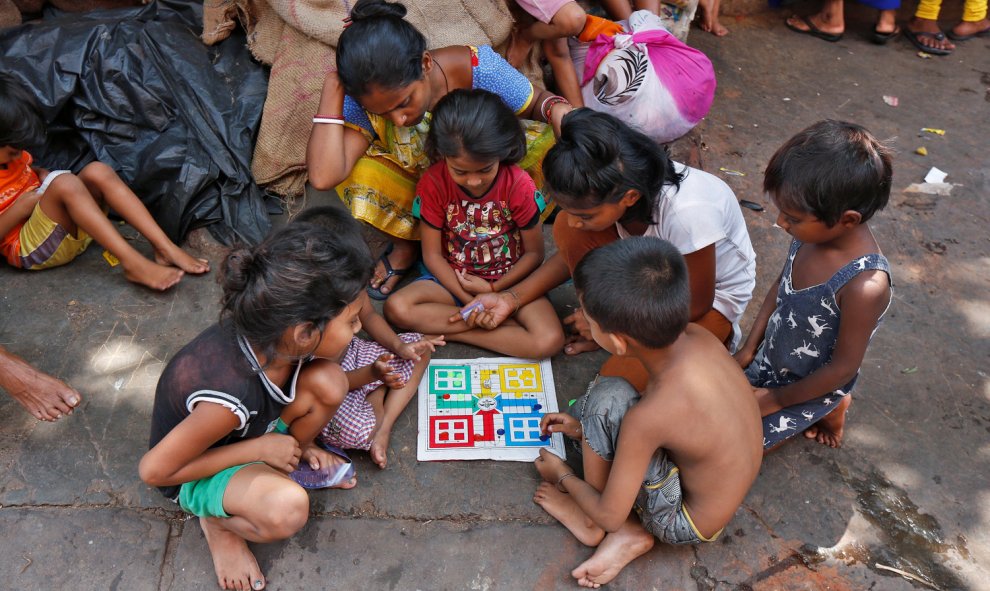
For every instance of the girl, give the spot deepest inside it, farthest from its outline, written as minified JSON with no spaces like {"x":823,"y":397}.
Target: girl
{"x":368,"y":137}
{"x":382,"y":374}
{"x":481,"y":230}
{"x":613,"y":182}
{"x":237,"y":409}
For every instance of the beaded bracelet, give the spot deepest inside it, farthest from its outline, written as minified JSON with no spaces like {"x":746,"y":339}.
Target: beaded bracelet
{"x":548,"y":104}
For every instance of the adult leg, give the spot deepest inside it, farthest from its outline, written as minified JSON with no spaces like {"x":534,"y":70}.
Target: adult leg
{"x":45,"y":397}
{"x":106,"y":187}
{"x":923,"y":29}
{"x":829,"y":20}
{"x":536,"y":334}
{"x":264,"y":506}
{"x":395,"y":401}
{"x":69,"y":203}
{"x":401,"y":258}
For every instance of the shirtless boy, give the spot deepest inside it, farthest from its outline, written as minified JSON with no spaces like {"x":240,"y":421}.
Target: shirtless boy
{"x":690,"y":445}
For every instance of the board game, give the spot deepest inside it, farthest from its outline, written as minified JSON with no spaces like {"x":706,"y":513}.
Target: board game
{"x":486,"y":409}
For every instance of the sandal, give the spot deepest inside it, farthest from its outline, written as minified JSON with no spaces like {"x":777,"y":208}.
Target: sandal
{"x":376,"y":293}
{"x":881,"y":38}
{"x":913,"y":37}
{"x":813,"y":30}
{"x":951,"y":34}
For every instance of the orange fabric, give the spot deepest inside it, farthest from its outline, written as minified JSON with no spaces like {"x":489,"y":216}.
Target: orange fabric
{"x":18,"y":178}
{"x":595,"y":26}
{"x":573,"y":244}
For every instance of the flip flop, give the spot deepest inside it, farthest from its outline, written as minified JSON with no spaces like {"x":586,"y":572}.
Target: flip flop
{"x":813,"y":30}
{"x":306,"y":477}
{"x":954,"y":37}
{"x":912,"y":36}
{"x":882,"y":38}
{"x":376,"y":293}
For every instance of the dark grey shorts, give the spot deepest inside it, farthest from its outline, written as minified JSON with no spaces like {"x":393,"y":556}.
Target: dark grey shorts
{"x":660,"y":501}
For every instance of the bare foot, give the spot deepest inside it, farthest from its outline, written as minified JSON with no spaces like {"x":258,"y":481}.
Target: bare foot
{"x":578,"y":344}
{"x":324,"y":458}
{"x":176,"y":257}
{"x":561,"y":507}
{"x":828,"y":431}
{"x":153,"y":275}
{"x":236,"y":566}
{"x":45,"y":397}
{"x":709,"y":19}
{"x":613,"y":554}
{"x":968,"y":29}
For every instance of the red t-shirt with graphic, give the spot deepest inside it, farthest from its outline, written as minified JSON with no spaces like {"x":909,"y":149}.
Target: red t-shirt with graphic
{"x":479,"y":234}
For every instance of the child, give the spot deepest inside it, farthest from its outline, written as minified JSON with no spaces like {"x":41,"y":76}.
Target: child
{"x":480,"y":232}
{"x":47,"y":218}
{"x":379,"y":385}
{"x":808,"y":341}
{"x":555,"y":21}
{"x":683,"y":454}
{"x":237,"y":409}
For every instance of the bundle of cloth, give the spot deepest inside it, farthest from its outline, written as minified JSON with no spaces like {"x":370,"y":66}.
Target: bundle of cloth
{"x":647,"y":77}
{"x":297,"y":38}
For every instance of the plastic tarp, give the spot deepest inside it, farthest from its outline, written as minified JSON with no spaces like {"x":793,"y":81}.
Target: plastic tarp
{"x":136,"y":89}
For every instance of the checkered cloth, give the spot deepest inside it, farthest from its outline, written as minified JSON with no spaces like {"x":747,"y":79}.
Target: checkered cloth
{"x":351,"y":426}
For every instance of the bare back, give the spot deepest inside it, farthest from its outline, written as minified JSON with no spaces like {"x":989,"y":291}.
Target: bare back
{"x":700,"y":408}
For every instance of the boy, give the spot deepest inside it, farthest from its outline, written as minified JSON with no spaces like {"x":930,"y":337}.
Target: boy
{"x":827,"y":182}
{"x":689,"y":447}
{"x":47,"y":218}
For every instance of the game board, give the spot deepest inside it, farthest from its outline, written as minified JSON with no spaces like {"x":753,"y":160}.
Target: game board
{"x":486,"y":409}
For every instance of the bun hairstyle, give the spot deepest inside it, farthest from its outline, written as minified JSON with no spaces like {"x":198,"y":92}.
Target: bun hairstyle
{"x":598,"y":158}
{"x":300,"y":273}
{"x":379,"y":48}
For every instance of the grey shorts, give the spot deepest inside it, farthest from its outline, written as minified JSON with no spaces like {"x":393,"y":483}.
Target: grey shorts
{"x":660,"y":501}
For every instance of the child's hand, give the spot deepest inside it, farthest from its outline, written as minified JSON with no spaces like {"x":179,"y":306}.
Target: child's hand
{"x":550,"y":466}
{"x":496,"y":307}
{"x":744,"y":357}
{"x":386,"y":373}
{"x":473,"y":284}
{"x":415,"y":351}
{"x":578,"y":323}
{"x":279,"y":451}
{"x":767,"y":401}
{"x":561,"y":422}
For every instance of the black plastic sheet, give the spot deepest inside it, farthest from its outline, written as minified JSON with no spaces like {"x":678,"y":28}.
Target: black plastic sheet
{"x":136,"y":89}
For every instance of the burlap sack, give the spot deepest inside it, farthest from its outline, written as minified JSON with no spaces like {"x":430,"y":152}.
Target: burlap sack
{"x":297,"y":37}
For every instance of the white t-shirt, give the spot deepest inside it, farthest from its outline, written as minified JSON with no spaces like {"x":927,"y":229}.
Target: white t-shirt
{"x":702,"y":212}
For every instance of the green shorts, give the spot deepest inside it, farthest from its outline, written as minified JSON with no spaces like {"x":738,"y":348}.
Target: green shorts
{"x":204,"y":497}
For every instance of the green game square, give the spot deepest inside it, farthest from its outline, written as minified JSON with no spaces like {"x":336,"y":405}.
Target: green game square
{"x":450,"y":379}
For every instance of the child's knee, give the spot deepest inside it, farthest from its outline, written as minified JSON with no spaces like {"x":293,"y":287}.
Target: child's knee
{"x":291,"y":513}
{"x":548,"y":343}
{"x":397,"y":309}
{"x":96,"y":173}
{"x":570,"y":19}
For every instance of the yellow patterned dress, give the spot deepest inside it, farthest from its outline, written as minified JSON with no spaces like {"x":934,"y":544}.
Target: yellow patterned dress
{"x":382,"y":184}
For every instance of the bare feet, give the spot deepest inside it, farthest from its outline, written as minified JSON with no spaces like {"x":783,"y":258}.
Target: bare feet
{"x":828,"y":431}
{"x":935,"y":39}
{"x":561,"y":507}
{"x":323,"y":459}
{"x":45,"y":397}
{"x":176,"y":257}
{"x":613,"y":554}
{"x":709,"y":18}
{"x":379,"y":446}
{"x":234,"y":563}
{"x":153,"y":275}
{"x":578,"y":344}
{"x":968,"y":29}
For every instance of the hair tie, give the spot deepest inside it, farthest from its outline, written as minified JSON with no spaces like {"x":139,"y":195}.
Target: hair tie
{"x":347,"y":21}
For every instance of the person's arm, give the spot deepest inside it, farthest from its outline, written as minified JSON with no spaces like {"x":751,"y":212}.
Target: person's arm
{"x":861,"y":303}
{"x":184,"y":454}
{"x":437,"y":264}
{"x":744,"y":356}
{"x":532,"y":239}
{"x":610,"y":508}
{"x":18,"y":211}
{"x":564,"y":73}
{"x":701,"y":275}
{"x":333,"y":149}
